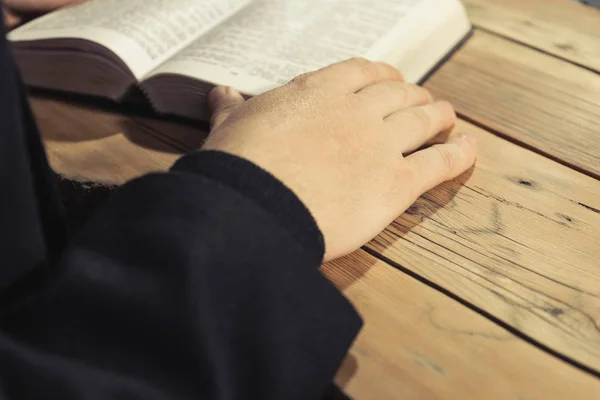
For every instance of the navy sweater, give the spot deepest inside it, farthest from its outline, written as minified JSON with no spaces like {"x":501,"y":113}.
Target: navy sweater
{"x":199,"y":283}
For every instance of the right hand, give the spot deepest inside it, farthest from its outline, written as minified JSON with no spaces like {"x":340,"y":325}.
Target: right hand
{"x":339,"y":138}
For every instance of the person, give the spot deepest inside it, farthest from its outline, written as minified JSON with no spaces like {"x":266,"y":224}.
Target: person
{"x":203,"y":282}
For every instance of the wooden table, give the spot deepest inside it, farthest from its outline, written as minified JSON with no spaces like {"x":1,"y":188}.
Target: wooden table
{"x":489,"y":286}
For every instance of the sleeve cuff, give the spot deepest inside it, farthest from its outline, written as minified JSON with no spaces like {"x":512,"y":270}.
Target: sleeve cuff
{"x":264,"y":190}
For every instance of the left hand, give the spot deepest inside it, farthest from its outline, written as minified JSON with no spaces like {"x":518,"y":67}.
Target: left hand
{"x":13,"y":10}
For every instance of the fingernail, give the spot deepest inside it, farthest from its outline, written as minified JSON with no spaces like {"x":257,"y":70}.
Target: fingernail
{"x":470,"y":138}
{"x":467,"y":136}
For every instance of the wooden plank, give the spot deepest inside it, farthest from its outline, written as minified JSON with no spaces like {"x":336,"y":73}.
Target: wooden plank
{"x":88,"y":144}
{"x":518,"y":237}
{"x":419,"y":344}
{"x":540,"y":101}
{"x":565,"y":28}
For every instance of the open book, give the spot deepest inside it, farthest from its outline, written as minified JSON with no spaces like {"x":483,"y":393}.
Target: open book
{"x":175,"y":51}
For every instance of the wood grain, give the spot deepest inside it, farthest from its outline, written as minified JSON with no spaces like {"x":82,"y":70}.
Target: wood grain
{"x":564,"y":28}
{"x":419,"y":344}
{"x":537,"y":100}
{"x":545,"y":103}
{"x":519,"y":238}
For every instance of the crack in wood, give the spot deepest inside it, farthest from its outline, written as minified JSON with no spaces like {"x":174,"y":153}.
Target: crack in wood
{"x":430,"y":317}
{"x":587,"y":207}
{"x":487,"y":194}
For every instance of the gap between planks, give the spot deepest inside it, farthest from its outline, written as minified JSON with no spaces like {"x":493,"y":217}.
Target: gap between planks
{"x":483,"y":313}
{"x":536,"y":100}
{"x":417,"y":343}
{"x":516,"y":237}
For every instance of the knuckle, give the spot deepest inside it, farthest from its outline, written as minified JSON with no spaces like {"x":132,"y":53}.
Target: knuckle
{"x":401,"y":91}
{"x":367,"y":68}
{"x":305,"y":80}
{"x":451,"y":110}
{"x":426,"y":94}
{"x":359,"y":61}
{"x":356,"y":102}
{"x":445,"y":116}
{"x":446,"y":106}
{"x":418,"y":118}
{"x":446,"y":159}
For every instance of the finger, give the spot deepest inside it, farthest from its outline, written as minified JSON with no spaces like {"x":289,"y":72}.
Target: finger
{"x":388,"y":97}
{"x":421,"y":123}
{"x":441,"y":162}
{"x":349,"y":76}
{"x":222,"y":101}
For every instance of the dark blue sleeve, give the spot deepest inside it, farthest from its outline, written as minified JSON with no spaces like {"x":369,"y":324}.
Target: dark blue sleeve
{"x":199,"y":283}
{"x":32,"y":231}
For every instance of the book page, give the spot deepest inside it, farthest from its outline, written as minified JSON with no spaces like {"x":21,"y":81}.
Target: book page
{"x":272,"y":41}
{"x":421,"y":42}
{"x":143,"y":33}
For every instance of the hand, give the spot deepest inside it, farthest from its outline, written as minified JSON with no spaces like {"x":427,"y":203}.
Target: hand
{"x":13,"y":10}
{"x":341,"y":138}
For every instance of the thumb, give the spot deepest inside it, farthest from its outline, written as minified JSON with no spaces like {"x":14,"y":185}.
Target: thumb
{"x":222,"y":101}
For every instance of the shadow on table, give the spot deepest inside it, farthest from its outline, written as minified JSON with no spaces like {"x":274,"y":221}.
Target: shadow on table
{"x":344,"y":375}
{"x":164,"y":136}
{"x":80,"y":119}
{"x":348,"y":270}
